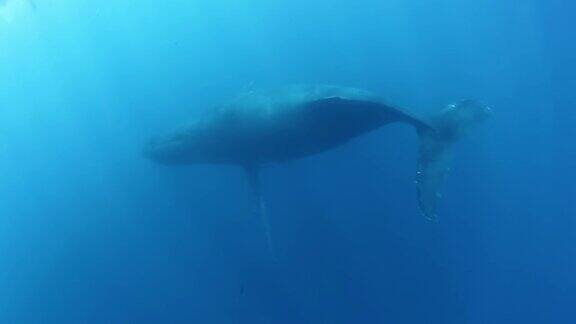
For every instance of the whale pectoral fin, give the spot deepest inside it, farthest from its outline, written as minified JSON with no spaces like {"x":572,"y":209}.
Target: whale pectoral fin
{"x":253,"y":174}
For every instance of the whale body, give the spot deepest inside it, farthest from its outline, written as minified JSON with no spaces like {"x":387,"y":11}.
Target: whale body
{"x":260,"y":127}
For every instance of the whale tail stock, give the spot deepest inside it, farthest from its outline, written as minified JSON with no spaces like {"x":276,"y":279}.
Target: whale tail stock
{"x":435,"y":153}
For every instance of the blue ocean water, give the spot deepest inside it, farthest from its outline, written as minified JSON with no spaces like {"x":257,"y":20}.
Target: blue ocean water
{"x":91,"y":232}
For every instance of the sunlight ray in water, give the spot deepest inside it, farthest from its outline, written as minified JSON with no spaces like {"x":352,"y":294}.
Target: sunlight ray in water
{"x":13,"y":10}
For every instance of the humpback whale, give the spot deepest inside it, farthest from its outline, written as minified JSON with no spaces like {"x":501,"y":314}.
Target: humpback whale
{"x":260,"y":127}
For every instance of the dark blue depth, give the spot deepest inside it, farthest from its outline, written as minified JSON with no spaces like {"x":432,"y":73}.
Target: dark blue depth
{"x":91,"y":232}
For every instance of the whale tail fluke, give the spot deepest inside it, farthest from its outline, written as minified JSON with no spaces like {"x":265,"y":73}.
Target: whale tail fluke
{"x":436,"y":149}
